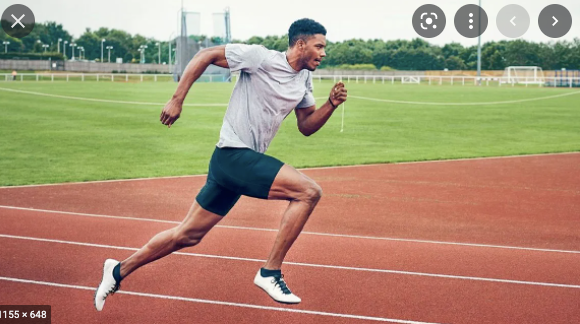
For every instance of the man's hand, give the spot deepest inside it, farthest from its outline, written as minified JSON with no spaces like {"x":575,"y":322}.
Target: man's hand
{"x":171,"y":112}
{"x":337,"y":94}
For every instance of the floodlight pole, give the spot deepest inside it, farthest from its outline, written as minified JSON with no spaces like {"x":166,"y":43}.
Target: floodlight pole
{"x":109,"y":48}
{"x":102,"y":42}
{"x":72,"y":45}
{"x":142,"y":50}
{"x":159,"y":49}
{"x":169,"y":43}
{"x":479,"y":47}
{"x":228,"y":27}
{"x":6,"y":43}
{"x":58,"y":45}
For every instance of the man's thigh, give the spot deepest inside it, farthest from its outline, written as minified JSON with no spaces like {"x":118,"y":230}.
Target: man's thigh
{"x":245,"y":171}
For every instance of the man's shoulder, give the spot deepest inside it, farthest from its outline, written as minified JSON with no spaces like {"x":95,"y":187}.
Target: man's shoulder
{"x":248,"y":47}
{"x":255,"y":50}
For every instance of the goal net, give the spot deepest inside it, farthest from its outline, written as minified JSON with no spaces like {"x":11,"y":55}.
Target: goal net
{"x":523,"y":75}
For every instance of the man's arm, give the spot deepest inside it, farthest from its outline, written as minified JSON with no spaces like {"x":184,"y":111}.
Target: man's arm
{"x":195,"y":68}
{"x":310,"y":119}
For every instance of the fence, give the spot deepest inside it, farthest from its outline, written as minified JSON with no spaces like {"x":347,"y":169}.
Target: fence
{"x":106,"y":77}
{"x":454,"y":80}
{"x":408,"y":79}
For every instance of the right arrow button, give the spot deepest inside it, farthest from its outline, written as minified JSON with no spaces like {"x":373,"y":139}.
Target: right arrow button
{"x":555,"y":21}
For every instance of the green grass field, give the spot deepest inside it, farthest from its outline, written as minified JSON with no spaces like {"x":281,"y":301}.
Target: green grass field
{"x":50,"y":139}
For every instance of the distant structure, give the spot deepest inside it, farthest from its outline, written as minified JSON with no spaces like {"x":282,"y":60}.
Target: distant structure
{"x":188,"y":43}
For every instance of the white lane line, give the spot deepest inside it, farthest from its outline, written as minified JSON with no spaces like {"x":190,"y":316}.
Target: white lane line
{"x":141,"y":103}
{"x":362,"y":237}
{"x":216,"y":302}
{"x":467,"y":103}
{"x":104,"y":181}
{"x":305,"y":169}
{"x":398,"y":272}
{"x":318,"y":98}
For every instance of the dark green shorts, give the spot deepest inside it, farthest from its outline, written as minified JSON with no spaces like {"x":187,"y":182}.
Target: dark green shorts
{"x":234,"y":172}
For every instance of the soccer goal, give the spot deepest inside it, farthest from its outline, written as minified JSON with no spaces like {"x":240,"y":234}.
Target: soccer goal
{"x":411,"y":79}
{"x":523,"y":75}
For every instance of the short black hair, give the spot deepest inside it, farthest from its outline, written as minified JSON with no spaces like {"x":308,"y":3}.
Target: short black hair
{"x":304,"y":29}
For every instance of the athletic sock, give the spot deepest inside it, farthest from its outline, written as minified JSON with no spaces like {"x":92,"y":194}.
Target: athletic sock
{"x":117,"y":273}
{"x":270,"y":273}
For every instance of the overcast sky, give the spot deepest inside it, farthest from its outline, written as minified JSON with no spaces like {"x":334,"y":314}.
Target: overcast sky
{"x":366,"y":19}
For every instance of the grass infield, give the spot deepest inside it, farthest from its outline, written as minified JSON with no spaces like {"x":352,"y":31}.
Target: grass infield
{"x":52,"y":139}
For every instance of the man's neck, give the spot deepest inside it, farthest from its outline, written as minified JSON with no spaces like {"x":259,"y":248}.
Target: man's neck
{"x":293,"y":59}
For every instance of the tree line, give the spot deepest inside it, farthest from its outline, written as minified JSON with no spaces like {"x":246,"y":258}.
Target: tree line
{"x":415,"y":54}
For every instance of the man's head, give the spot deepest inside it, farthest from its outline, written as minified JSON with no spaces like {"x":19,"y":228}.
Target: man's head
{"x":307,"y":39}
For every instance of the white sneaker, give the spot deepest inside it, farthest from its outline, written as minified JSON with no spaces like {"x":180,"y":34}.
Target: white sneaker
{"x":108,"y":284}
{"x":276,"y":287}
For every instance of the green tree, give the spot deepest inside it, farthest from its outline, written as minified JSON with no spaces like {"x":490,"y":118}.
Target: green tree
{"x":382,"y":58}
{"x":454,"y":63}
{"x":493,"y":56}
{"x":452,"y":49}
{"x":522,"y":53}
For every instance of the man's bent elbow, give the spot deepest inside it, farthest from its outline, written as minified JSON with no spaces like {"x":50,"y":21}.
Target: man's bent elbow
{"x":306,"y":132}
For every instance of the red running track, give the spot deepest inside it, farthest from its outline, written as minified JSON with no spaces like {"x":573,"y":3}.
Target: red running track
{"x":379,"y":264}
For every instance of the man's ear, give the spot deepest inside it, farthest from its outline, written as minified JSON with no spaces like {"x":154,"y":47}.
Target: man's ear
{"x":301,"y":44}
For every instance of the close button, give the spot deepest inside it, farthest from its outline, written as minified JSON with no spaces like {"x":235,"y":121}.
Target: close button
{"x":18,"y":21}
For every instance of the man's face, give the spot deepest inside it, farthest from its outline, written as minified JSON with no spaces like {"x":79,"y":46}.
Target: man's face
{"x":313,"y":51}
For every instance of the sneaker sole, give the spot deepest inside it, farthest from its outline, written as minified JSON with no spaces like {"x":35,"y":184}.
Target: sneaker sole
{"x":278,"y":301}
{"x":96,"y":290}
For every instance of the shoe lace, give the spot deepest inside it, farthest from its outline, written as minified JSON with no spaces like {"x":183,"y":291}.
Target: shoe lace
{"x":279,"y":281}
{"x":113,"y":290}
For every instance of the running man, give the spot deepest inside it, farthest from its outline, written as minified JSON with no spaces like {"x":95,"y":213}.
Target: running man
{"x":270,"y":86}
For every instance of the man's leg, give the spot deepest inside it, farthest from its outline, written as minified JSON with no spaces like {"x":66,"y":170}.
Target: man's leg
{"x":189,"y":233}
{"x":303,"y":194}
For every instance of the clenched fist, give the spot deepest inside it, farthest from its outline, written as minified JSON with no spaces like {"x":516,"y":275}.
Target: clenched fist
{"x":171,"y":112}
{"x":337,"y":94}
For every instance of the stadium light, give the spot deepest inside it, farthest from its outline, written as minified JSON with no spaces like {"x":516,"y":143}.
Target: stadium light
{"x":109,"y":48}
{"x":169,"y":43}
{"x":45,"y":46}
{"x":5,"y":43}
{"x":58,"y":45}
{"x":64,"y":47}
{"x":479,"y":47}
{"x":159,"y":46}
{"x":72,"y":45}
{"x":102,"y":42}
{"x":170,"y":50}
{"x":142,"y":50}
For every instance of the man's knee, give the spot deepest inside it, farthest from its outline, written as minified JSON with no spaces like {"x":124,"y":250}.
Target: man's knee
{"x":313,"y":192}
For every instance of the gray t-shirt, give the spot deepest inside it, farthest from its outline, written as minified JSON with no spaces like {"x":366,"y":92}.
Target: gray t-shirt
{"x":268,"y":89}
